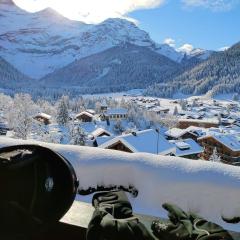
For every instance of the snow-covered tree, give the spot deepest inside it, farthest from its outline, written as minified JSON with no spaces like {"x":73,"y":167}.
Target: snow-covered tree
{"x":183,"y":104}
{"x":62,"y":111}
{"x":77,"y":134}
{"x":235,"y":97}
{"x":168,"y":121}
{"x":5,"y":102}
{"x":175,"y":111}
{"x":20,"y":116}
{"x":215,"y":156}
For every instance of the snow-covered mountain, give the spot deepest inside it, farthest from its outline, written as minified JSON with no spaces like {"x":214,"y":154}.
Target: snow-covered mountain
{"x":40,"y":43}
{"x":199,"y":53}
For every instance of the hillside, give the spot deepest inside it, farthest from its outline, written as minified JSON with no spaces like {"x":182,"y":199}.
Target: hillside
{"x":220,"y":73}
{"x":10,"y":77}
{"x":119,"y":68}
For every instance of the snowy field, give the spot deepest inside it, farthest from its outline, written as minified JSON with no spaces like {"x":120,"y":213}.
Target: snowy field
{"x":210,"y":189}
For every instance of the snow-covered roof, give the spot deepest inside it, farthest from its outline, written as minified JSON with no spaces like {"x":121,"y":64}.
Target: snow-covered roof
{"x":178,"y":133}
{"x":186,"y":147}
{"x":148,"y":141}
{"x":160,"y":109}
{"x":116,"y":111}
{"x":85,"y":113}
{"x":100,"y":131}
{"x":91,"y":111}
{"x":43,"y":115}
{"x":231,"y":141}
{"x":175,"y":132}
{"x":103,"y":139}
{"x":206,"y":120}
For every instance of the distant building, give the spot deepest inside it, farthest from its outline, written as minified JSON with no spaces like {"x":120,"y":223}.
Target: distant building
{"x":227,"y":145}
{"x":100,"y":132}
{"x":117,"y":114}
{"x":148,"y":141}
{"x":43,"y":118}
{"x":103,"y":106}
{"x":85,"y":117}
{"x":91,"y":111}
{"x":204,"y":123}
{"x":160,"y":110}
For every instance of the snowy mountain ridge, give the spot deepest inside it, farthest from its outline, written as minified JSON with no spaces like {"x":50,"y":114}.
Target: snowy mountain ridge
{"x":39,"y":43}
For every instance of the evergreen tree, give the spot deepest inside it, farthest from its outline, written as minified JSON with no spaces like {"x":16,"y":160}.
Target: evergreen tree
{"x":62,"y":111}
{"x":235,"y":97}
{"x":175,"y":112}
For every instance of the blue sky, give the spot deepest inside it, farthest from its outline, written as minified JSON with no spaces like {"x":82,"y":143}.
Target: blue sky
{"x":208,"y":24}
{"x":200,"y":26}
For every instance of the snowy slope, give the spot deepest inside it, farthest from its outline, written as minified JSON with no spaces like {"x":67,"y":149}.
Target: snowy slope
{"x":11,"y":77}
{"x":199,"y":53}
{"x":198,"y":186}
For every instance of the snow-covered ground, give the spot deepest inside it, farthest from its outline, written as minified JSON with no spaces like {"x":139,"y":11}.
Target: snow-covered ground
{"x":210,"y":189}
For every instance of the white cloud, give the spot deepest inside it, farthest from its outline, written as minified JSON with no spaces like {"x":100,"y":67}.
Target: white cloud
{"x":90,"y":11}
{"x":186,"y":48}
{"x":215,"y":5}
{"x":224,"y":48}
{"x":169,"y":41}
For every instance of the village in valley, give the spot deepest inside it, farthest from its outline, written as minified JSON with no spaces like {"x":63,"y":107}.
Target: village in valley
{"x":197,"y":128}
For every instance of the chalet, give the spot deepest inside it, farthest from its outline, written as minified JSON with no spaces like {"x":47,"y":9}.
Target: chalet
{"x":178,"y":133}
{"x":148,"y":141}
{"x":205,"y":123}
{"x":85,"y":117}
{"x":187,"y":148}
{"x":160,"y":110}
{"x":103,"y":107}
{"x":91,"y":111}
{"x":227,"y":145}
{"x":43,"y":118}
{"x":100,"y":132}
{"x":117,"y":114}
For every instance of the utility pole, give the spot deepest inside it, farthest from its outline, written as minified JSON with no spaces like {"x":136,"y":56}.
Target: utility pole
{"x":158,"y":132}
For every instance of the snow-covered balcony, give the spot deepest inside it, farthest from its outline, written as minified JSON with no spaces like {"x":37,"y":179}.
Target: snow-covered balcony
{"x":207,"y":188}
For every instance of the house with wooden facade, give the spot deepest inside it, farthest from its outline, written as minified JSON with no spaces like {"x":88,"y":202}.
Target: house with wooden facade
{"x":100,"y":132}
{"x":43,"y":118}
{"x":189,"y":133}
{"x":117,"y":114}
{"x":226,"y":144}
{"x":148,"y":141}
{"x":204,"y":123}
{"x":85,"y":117}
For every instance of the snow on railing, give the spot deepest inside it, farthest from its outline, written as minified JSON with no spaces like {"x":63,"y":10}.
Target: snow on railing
{"x":207,"y":188}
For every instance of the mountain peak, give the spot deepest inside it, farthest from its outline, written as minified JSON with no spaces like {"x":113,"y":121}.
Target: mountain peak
{"x":47,"y":12}
{"x":10,"y":2}
{"x":122,"y":21}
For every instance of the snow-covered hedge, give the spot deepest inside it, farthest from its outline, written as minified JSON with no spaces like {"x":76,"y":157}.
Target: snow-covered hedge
{"x":210,"y":189}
